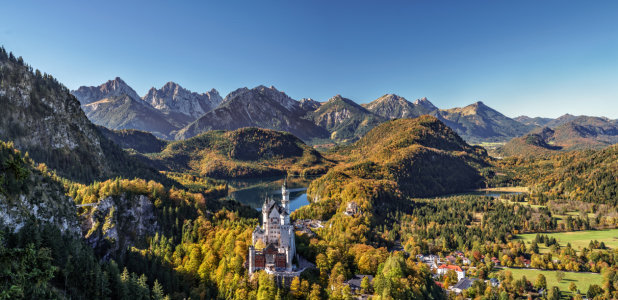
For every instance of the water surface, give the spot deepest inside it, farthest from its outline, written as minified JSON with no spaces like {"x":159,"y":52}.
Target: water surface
{"x":252,"y":192}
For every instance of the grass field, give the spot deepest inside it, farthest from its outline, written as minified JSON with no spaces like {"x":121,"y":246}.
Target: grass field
{"x":582,"y":280}
{"x":578,"y":239}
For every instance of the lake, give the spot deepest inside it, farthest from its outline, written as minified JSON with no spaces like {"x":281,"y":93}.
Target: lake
{"x":252,"y":192}
{"x":494,"y":194}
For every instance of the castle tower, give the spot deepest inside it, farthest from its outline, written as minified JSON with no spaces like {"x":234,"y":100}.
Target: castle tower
{"x":285,"y":193}
{"x":251,"y":259}
{"x":265,"y":223}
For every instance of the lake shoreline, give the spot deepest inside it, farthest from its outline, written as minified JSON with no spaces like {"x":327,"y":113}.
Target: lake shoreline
{"x":516,"y":189}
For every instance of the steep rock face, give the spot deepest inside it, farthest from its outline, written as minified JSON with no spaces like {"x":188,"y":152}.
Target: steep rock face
{"x":117,"y":222}
{"x":425,"y":103}
{"x":39,"y":195}
{"x":46,"y":205}
{"x":41,"y":117}
{"x":116,"y":87}
{"x":260,"y":107}
{"x":393,"y":106}
{"x":174,"y":98}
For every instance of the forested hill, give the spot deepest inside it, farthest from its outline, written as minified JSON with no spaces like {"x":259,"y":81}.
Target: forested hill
{"x":246,"y":152}
{"x":44,"y":120}
{"x":401,"y":158}
{"x":589,"y":176}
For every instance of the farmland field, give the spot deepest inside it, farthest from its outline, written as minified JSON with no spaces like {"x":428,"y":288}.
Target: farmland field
{"x":578,"y":239}
{"x":581,"y":280}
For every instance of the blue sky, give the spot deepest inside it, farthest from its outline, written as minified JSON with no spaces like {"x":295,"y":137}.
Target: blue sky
{"x":538,"y":58}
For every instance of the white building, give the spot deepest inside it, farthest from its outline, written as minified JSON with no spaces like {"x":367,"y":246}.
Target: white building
{"x":443,"y":269}
{"x":277,"y":233}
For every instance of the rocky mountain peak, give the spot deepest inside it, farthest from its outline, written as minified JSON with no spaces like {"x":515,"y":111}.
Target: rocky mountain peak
{"x":111,"y":88}
{"x":425,"y":103}
{"x":235,"y":93}
{"x":174,"y":98}
{"x":309,"y":104}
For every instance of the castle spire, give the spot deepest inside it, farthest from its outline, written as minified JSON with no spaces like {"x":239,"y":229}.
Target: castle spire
{"x":285,"y":193}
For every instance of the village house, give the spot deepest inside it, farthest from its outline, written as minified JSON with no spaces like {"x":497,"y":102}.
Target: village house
{"x":463,"y":284}
{"x":443,"y":269}
{"x":356,"y":281}
{"x":451,"y":259}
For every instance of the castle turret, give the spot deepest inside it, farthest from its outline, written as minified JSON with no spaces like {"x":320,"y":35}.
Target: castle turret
{"x":251,"y":259}
{"x":285,"y":193}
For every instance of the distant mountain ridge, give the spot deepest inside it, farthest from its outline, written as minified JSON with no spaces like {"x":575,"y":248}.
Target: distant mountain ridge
{"x":177,"y":113}
{"x":393,"y":106}
{"x":173,"y":97}
{"x":258,"y":107}
{"x":480,"y":123}
{"x":344,"y":119}
{"x":124,"y":112}
{"x":579,"y":134}
{"x":111,"y":88}
{"x":160,"y":111}
{"x":538,"y":121}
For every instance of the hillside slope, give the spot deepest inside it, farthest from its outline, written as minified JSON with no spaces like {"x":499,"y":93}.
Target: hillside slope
{"x":140,"y":141}
{"x":588,"y":175}
{"x":344,"y":119}
{"x":478,"y":122}
{"x":243,"y":153}
{"x":260,"y":107}
{"x":44,"y":120}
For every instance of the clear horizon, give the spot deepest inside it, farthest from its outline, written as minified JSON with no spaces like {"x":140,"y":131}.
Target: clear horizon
{"x":525,"y":58}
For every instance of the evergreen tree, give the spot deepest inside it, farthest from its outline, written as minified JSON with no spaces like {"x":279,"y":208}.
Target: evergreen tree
{"x":157,"y":291}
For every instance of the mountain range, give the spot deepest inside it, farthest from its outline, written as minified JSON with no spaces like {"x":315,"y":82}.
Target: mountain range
{"x":175,"y":113}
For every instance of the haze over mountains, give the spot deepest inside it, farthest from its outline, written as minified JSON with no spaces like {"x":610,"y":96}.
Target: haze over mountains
{"x":175,"y":113}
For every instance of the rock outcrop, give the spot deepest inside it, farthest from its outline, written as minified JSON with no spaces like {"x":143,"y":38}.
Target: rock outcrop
{"x":425,"y":103}
{"x":117,"y":222}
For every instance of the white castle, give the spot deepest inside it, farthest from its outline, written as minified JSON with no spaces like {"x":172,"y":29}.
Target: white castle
{"x":277,"y":234}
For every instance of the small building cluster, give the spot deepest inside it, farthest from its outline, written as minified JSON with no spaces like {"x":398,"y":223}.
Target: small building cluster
{"x":352,"y":209}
